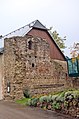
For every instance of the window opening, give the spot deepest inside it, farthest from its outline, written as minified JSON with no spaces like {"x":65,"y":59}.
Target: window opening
{"x":35,"y":56}
{"x":29,"y":56}
{"x":32,"y":64}
{"x":30,"y":44}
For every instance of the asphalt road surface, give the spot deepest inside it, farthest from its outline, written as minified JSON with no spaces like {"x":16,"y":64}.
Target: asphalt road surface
{"x":10,"y":110}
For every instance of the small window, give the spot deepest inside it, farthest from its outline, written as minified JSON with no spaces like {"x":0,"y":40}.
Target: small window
{"x":35,"y":56}
{"x":29,"y":56}
{"x":30,"y":45}
{"x":32,"y":64}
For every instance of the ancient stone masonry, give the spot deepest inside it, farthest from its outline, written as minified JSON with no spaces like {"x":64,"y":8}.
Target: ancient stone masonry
{"x":27,"y":64}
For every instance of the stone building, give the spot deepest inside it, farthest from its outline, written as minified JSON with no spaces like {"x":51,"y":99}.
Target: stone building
{"x":27,"y":65}
{"x":31,"y":60}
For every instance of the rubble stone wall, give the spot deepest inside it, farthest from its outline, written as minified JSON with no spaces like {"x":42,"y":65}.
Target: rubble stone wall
{"x":27,"y":65}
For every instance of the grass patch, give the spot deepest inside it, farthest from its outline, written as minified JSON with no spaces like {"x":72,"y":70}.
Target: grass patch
{"x":23,"y":101}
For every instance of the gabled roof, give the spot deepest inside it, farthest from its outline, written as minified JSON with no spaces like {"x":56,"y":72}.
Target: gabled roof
{"x":39,"y":25}
{"x":25,"y":29}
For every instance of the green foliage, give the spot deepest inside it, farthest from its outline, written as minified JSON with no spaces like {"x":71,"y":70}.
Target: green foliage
{"x":76,"y":94}
{"x":60,"y":97}
{"x":66,"y":104}
{"x":69,"y":96}
{"x":26,"y":93}
{"x":59,"y":41}
{"x":23,"y":101}
{"x":49,"y":98}
{"x":54,"y":97}
{"x":65,"y":101}
{"x":33,"y":102}
{"x":43,"y":99}
{"x":68,"y":93}
{"x":30,"y":102}
{"x":56,"y":105}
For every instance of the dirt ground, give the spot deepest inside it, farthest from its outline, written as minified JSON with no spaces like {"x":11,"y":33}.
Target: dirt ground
{"x":10,"y":110}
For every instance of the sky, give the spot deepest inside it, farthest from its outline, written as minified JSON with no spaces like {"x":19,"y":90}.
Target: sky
{"x":62,"y":15}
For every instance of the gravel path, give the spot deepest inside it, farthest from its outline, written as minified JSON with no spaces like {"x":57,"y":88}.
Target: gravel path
{"x":10,"y":110}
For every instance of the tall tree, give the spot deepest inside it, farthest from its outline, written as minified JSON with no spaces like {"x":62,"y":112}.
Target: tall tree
{"x":74,"y":50}
{"x":59,"y":41}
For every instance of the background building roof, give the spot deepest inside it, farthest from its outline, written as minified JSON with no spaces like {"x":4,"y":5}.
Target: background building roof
{"x":1,"y":50}
{"x":25,"y":29}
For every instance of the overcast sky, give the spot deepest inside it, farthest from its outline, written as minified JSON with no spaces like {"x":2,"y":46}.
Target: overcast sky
{"x":63,"y":15}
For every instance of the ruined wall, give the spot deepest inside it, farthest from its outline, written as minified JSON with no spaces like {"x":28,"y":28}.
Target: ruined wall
{"x":27,"y":64}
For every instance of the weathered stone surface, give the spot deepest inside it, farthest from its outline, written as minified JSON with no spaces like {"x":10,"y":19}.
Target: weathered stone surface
{"x":28,"y":65}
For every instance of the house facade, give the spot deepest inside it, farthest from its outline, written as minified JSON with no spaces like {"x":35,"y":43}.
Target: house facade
{"x":31,"y":60}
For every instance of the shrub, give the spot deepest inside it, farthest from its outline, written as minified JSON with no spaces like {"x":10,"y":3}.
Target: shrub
{"x":54,"y":97}
{"x":69,"y":96}
{"x":66,"y":104}
{"x":23,"y":101}
{"x":49,"y":98}
{"x":43,"y":99}
{"x":60,"y":97}
{"x":34,"y":102}
{"x":67,"y":101}
{"x":26,"y":93}
{"x":56,"y":105}
{"x":76,"y":94}
{"x":29,"y":102}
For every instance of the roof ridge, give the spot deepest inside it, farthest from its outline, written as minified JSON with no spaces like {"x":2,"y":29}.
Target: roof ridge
{"x":39,"y":25}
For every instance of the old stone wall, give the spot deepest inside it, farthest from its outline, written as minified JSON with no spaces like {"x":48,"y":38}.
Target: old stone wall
{"x":27,"y":65}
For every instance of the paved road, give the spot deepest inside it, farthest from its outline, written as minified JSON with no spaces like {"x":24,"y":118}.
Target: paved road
{"x":10,"y":110}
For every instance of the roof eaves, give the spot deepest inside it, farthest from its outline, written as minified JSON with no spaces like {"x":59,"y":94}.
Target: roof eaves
{"x":21,"y":31}
{"x":27,"y":31}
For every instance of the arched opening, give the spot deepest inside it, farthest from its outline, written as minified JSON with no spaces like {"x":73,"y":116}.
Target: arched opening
{"x":30,"y":45}
{"x":33,"y":65}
